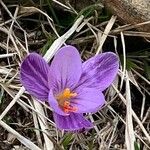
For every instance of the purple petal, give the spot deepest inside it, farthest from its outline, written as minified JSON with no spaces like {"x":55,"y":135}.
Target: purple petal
{"x":100,"y":71}
{"x":88,"y":100}
{"x":33,"y":76}
{"x":73,"y":122}
{"x":65,"y":69}
{"x":54,"y":104}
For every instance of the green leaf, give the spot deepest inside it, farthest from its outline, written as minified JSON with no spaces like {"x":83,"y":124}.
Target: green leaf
{"x":90,"y":145}
{"x":46,"y":46}
{"x":53,"y":11}
{"x":147,"y":69}
{"x":88,"y":11}
{"x":1,"y":95}
{"x":136,"y":146}
{"x":130,"y":64}
{"x":67,"y":140}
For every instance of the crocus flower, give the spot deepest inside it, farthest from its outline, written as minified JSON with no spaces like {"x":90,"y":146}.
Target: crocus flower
{"x":69,"y":86}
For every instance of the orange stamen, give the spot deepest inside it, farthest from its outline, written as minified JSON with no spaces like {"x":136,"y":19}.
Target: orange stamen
{"x":63,"y":100}
{"x":67,"y":108}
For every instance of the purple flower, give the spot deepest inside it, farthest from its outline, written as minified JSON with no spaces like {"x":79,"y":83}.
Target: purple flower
{"x":70,"y":87}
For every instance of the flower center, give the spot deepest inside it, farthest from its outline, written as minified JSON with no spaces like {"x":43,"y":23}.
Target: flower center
{"x":64,"y":100}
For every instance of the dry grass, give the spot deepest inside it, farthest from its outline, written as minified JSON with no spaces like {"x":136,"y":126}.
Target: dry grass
{"x":28,"y":124}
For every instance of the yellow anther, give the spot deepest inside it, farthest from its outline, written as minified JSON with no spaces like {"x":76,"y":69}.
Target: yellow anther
{"x":63,"y":100}
{"x":66,"y":95}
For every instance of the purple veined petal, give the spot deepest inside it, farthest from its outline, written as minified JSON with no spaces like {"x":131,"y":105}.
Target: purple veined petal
{"x":73,"y":122}
{"x":88,"y":100}
{"x":54,"y":104}
{"x":66,"y":68}
{"x":34,"y":76}
{"x":99,"y":71}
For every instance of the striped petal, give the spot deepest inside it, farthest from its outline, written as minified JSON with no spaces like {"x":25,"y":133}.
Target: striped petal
{"x":65,"y":69}
{"x":33,"y":76}
{"x":73,"y":122}
{"x":99,"y":71}
{"x":88,"y":100}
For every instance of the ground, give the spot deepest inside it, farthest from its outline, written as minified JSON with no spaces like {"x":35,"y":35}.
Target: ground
{"x":39,"y":26}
